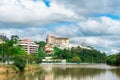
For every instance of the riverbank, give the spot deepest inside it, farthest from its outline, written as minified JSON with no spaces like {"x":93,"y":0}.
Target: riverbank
{"x":13,"y":69}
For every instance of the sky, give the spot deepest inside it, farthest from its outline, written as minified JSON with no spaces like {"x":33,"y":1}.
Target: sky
{"x":95,"y":22}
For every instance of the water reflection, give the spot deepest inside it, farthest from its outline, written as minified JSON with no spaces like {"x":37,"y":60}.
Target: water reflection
{"x":77,"y":73}
{"x":53,"y":72}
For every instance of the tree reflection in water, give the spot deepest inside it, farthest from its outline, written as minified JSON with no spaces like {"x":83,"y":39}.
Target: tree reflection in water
{"x":77,"y":73}
{"x":66,"y":73}
{"x":116,"y":71}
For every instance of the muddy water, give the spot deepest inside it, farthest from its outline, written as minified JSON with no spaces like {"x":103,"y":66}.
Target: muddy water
{"x":68,"y":72}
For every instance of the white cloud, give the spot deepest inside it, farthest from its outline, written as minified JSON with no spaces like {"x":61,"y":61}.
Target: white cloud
{"x":97,"y":31}
{"x":92,"y":7}
{"x":103,"y":25}
{"x":67,"y":30}
{"x":23,"y":11}
{"x":114,"y":51}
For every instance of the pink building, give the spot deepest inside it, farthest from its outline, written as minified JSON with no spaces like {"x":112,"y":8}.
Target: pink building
{"x":28,"y":46}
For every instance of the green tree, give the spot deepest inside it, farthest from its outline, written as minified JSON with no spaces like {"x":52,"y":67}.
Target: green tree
{"x":41,"y":55}
{"x":76,"y":59}
{"x":20,"y":62}
{"x":111,"y":60}
{"x":118,"y":59}
{"x":14,"y":38}
{"x":41,"y":44}
{"x":57,"y":53}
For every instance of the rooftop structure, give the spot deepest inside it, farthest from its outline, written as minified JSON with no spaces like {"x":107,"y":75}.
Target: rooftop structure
{"x":28,"y":46}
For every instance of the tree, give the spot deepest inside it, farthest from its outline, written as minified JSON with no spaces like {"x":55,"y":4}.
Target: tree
{"x":111,"y":59}
{"x":118,"y":59}
{"x":20,"y":62}
{"x":41,"y":44}
{"x":41,"y":55}
{"x":76,"y":59}
{"x":14,"y":38}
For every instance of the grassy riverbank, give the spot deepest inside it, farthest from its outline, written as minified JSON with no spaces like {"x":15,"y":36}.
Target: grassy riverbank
{"x":13,"y":69}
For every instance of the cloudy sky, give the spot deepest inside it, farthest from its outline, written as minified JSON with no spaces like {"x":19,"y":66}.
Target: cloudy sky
{"x":95,"y":22}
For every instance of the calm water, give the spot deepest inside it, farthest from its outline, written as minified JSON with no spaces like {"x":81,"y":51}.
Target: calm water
{"x":68,"y":72}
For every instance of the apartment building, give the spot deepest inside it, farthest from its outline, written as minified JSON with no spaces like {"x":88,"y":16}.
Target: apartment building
{"x":29,"y":46}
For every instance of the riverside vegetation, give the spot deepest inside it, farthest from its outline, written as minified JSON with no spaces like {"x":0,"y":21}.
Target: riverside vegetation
{"x":10,"y":51}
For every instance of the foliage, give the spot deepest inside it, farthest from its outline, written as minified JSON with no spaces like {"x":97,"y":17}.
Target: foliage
{"x":76,"y":59}
{"x":41,"y":44}
{"x":114,"y":59}
{"x":86,"y":55}
{"x":118,"y":59}
{"x":20,"y":62}
{"x":41,"y":53}
{"x":30,"y":58}
{"x":14,"y":38}
{"x":111,"y":60}
{"x":3,"y":37}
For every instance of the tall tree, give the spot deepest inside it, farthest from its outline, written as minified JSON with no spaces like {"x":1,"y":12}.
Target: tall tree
{"x":14,"y":38}
{"x":41,"y":44}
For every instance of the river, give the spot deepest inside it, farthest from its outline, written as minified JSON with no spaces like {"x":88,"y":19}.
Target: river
{"x":68,"y":72}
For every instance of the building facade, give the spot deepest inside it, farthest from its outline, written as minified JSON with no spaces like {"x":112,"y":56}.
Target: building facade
{"x":53,"y":41}
{"x":28,"y":46}
{"x":48,"y":49}
{"x":57,"y":40}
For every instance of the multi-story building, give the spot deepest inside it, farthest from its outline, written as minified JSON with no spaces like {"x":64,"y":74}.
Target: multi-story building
{"x":53,"y":41}
{"x":57,"y":41}
{"x":28,"y":46}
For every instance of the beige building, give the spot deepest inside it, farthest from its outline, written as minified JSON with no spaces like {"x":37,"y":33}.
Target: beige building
{"x":53,"y":41}
{"x":48,"y":49}
{"x":57,"y":40}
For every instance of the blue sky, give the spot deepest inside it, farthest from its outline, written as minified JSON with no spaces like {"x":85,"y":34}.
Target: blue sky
{"x":96,"y":23}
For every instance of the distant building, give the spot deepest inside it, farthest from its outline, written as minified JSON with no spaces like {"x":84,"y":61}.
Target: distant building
{"x":1,"y":41}
{"x":28,"y":46}
{"x":48,"y":49}
{"x":57,"y":41}
{"x":53,"y":41}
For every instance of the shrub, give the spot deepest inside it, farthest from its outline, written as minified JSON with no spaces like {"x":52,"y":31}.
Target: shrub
{"x":20,"y":63}
{"x":76,"y":59}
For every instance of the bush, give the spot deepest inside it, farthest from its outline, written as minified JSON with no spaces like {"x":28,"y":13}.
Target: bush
{"x":76,"y":59}
{"x":20,"y":63}
{"x":111,"y":60}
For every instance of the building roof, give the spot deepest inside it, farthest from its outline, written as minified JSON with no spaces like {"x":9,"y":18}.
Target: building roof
{"x":61,"y":38}
{"x":58,"y":37}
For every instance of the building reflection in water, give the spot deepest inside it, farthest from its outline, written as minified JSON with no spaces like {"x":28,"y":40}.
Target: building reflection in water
{"x":57,"y":72}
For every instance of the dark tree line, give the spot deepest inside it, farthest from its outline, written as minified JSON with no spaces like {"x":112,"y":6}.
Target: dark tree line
{"x":114,"y":59}
{"x":84,"y":55}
